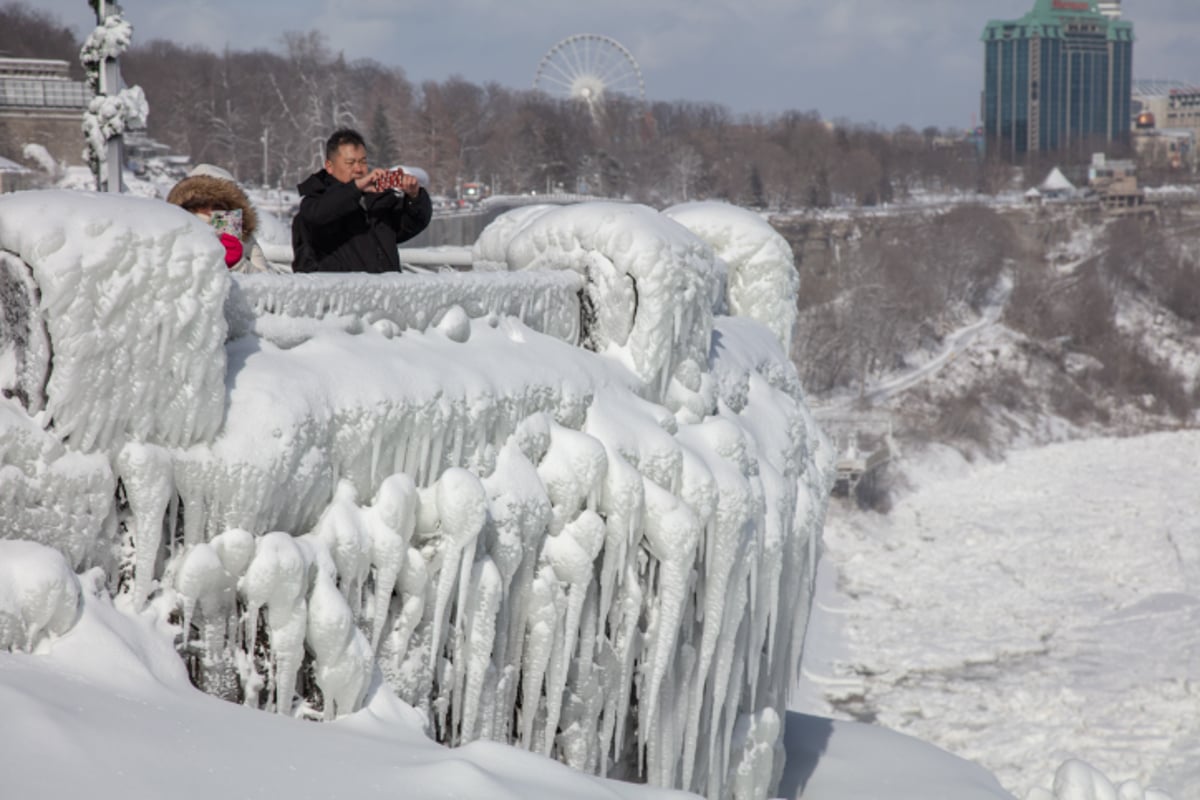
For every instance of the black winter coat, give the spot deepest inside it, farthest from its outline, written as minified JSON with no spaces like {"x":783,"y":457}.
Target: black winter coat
{"x":341,"y":228}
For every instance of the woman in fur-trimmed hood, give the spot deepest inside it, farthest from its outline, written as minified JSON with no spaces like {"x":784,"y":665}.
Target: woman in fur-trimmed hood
{"x":206,"y":190}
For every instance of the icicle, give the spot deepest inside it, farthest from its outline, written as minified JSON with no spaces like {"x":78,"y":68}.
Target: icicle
{"x":480,"y":635}
{"x":672,"y":533}
{"x":571,"y":554}
{"x":148,"y":477}
{"x":625,"y":646}
{"x":276,"y":579}
{"x":389,"y":522}
{"x":342,"y":658}
{"x":462,"y":508}
{"x":411,"y":587}
{"x":342,"y":530}
{"x":542,"y":627}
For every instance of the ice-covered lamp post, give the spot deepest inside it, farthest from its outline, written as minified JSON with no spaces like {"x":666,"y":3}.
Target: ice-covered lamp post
{"x":112,"y":110}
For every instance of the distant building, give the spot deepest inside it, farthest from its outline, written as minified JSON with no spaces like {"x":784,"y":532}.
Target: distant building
{"x":1166,"y":123}
{"x":1110,"y":8}
{"x":1060,"y":75}
{"x":1115,"y":184}
{"x":40,"y":103}
{"x":1170,"y":104}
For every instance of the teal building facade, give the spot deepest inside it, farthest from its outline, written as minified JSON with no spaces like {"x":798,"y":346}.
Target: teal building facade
{"x":1060,"y":75}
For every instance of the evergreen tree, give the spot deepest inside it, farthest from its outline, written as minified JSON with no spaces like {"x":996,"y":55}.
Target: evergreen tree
{"x":758,"y":195}
{"x":381,"y":141}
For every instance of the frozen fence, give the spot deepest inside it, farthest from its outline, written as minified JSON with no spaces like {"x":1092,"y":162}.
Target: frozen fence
{"x":547,"y":302}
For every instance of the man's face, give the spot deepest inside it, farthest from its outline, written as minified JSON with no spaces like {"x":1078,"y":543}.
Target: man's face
{"x":348,"y":163}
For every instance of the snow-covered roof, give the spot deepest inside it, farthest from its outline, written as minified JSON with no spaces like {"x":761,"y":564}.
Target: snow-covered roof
{"x":1057,"y":182}
{"x":8,"y":165}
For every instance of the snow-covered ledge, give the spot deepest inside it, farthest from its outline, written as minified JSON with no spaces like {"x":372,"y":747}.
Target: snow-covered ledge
{"x":603,"y":555}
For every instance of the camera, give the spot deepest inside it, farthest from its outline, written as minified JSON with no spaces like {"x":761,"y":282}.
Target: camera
{"x":389,"y":180}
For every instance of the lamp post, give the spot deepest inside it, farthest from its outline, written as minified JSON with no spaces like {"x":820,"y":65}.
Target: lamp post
{"x":110,"y":85}
{"x":265,"y":136}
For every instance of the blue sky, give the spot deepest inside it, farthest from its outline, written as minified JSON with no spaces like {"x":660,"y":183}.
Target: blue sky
{"x":917,"y":62}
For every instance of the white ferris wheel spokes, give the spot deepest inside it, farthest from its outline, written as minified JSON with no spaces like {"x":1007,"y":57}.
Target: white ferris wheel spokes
{"x":588,"y":66}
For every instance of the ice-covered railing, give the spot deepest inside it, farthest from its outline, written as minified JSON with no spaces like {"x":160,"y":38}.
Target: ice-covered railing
{"x":650,"y":285}
{"x":273,"y":306}
{"x":604,"y":556}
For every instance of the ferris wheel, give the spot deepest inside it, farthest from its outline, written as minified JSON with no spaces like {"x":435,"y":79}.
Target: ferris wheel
{"x":586,"y":67}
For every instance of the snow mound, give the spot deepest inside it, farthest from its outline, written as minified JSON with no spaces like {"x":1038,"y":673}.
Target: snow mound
{"x":39,"y":595}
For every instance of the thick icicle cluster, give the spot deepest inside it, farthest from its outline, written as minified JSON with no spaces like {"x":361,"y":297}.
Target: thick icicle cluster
{"x":133,"y":309}
{"x":602,"y":556}
{"x":49,"y":494}
{"x":762,"y":280}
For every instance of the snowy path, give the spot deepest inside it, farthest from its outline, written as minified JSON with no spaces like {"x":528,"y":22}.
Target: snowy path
{"x":954,"y":344}
{"x":1022,"y":613}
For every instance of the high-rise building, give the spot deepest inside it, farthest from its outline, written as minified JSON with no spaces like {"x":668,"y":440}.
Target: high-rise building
{"x":1060,"y":75}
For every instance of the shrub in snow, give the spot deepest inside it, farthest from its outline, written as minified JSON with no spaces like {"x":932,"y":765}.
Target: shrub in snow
{"x":425,"y":483}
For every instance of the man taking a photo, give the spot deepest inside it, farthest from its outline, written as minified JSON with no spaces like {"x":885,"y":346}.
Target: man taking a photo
{"x":347,"y":221}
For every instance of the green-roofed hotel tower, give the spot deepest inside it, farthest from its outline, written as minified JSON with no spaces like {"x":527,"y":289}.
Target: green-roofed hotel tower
{"x":1061,"y":74}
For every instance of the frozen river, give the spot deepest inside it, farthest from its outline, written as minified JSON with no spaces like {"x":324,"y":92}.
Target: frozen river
{"x":1022,"y":613}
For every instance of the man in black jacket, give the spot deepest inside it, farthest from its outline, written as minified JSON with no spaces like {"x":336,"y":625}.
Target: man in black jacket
{"x":345,"y":223}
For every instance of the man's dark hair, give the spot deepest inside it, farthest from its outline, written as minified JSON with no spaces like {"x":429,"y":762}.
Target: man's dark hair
{"x":340,"y":137}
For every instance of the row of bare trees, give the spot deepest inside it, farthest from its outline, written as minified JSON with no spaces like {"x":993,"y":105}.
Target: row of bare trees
{"x":263,"y":115}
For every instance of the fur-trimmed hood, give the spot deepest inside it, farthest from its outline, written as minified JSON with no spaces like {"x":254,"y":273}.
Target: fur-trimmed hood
{"x":204,"y":190}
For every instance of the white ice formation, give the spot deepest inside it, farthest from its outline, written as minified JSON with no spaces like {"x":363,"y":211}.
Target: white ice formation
{"x":762,"y":281}
{"x":39,"y":595}
{"x":581,"y":526}
{"x":1078,"y":780}
{"x":133,"y":310}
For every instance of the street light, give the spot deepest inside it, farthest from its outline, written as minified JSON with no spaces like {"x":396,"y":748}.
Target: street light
{"x":266,"y":135}
{"x":110,"y":85}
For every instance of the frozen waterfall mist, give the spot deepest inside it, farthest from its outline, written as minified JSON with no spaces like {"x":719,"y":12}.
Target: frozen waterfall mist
{"x":570,"y":503}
